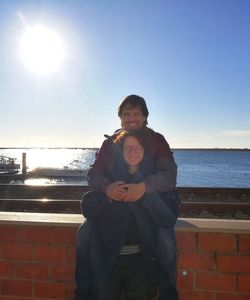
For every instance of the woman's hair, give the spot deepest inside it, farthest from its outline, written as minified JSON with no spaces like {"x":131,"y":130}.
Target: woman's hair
{"x":131,"y":102}
{"x":123,"y":134}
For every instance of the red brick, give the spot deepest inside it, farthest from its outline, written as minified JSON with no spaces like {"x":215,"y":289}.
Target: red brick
{"x":63,"y":235}
{"x":32,"y":270}
{"x":17,"y":251}
{"x":9,"y":298}
{"x":233,"y":263}
{"x":24,"y":298}
{"x":6,"y":269}
{"x":186,"y":240}
{"x":50,"y":290}
{"x":216,"y":282}
{"x":71,"y":291}
{"x":217,"y":242}
{"x":244,"y":283}
{"x":193,"y":260}
{"x":244,"y":243}
{"x":8,"y":233}
{"x":34,"y":234}
{"x":195,"y":295}
{"x":17,"y":287}
{"x":71,"y":254}
{"x":51,"y":253}
{"x":185,"y":280}
{"x":63,"y":272}
{"x":231,"y":296}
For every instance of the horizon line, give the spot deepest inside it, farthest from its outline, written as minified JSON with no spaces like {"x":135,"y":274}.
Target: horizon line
{"x":172,"y":148}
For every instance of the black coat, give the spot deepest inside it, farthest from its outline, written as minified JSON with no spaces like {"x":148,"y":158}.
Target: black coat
{"x":109,"y":219}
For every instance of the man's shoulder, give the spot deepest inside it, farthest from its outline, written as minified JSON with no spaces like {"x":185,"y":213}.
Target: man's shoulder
{"x":154,"y":134}
{"x":158,"y":143}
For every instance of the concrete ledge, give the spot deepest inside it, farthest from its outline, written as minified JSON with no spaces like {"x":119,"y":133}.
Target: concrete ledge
{"x":74,"y":220}
{"x":213,"y":225}
{"x":69,"y":220}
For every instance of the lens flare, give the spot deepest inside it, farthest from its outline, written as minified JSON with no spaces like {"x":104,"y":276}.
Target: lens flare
{"x":42,"y":49}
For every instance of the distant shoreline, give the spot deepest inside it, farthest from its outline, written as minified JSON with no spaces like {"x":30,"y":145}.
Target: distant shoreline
{"x":51,"y":148}
{"x":96,"y":148}
{"x":214,"y":149}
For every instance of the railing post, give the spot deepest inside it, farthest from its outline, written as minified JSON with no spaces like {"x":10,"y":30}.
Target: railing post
{"x":24,"y":166}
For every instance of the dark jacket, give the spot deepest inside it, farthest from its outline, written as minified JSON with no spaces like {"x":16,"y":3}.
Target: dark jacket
{"x":110,"y":219}
{"x":163,"y":178}
{"x":109,"y":223}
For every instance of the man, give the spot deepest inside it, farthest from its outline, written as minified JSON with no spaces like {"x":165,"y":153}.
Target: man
{"x":133,"y":113}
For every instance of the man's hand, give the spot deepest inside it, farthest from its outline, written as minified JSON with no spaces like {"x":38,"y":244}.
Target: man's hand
{"x":116,"y":190}
{"x":133,"y":191}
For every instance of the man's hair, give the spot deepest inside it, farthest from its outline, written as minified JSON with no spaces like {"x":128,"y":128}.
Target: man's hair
{"x":131,"y":102}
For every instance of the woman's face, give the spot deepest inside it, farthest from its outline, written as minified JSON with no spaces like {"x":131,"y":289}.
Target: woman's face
{"x":132,"y":151}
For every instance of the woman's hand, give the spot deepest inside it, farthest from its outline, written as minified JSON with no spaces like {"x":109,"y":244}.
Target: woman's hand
{"x":116,"y":191}
{"x":133,"y":191}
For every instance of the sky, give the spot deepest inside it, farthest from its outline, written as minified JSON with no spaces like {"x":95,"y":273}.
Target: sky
{"x":189,"y":59}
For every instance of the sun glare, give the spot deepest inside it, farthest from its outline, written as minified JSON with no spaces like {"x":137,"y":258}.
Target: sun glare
{"x":42,"y":49}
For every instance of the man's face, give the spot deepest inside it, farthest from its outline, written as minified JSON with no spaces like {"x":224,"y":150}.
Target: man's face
{"x":132,"y":118}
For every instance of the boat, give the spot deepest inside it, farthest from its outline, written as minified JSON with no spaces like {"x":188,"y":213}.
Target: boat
{"x":8,"y":166}
{"x":57,"y":172}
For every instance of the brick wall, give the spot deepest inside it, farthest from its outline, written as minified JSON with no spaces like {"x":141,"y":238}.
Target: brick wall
{"x":213,"y":266}
{"x":37,"y":260}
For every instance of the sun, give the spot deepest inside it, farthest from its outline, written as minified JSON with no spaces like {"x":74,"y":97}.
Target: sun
{"x":42,"y":49}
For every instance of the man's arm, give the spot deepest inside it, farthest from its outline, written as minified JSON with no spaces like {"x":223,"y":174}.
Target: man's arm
{"x":97,"y":179}
{"x":97,"y":175}
{"x":164,"y":179}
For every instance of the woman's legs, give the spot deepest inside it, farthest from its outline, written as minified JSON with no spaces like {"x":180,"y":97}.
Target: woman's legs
{"x":130,"y":277}
{"x":167,"y":257}
{"x":82,"y":273}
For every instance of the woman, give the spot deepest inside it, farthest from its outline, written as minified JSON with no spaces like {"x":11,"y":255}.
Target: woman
{"x":124,"y":245}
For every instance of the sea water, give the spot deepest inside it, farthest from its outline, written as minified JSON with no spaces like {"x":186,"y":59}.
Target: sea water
{"x":196,"y":168}
{"x":213,"y":168}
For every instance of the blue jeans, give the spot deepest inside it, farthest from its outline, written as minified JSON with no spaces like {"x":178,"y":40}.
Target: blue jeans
{"x":83,"y":272}
{"x":167,"y":261}
{"x":130,"y":277}
{"x":166,"y":257}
